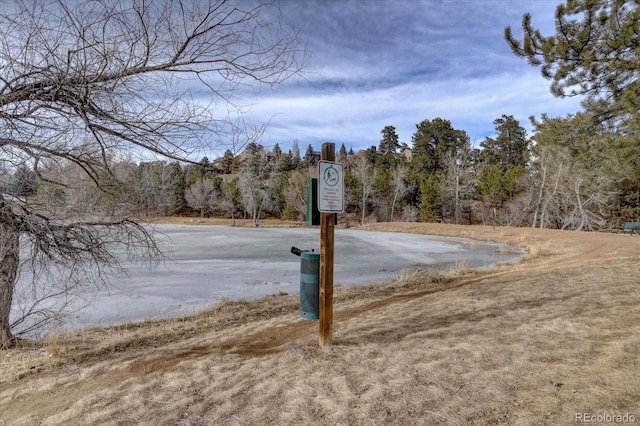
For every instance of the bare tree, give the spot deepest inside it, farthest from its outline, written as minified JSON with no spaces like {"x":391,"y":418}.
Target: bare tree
{"x":84,"y":81}
{"x":457,"y":165}
{"x":399,"y":185}
{"x":549,"y":195}
{"x":542,"y":166}
{"x":296,"y":192}
{"x":366,"y":175}
{"x":577,"y":197}
{"x":228,"y":198}
{"x":256,"y":183}
{"x":152,"y":187}
{"x":550,"y":167}
{"x":201,"y":195}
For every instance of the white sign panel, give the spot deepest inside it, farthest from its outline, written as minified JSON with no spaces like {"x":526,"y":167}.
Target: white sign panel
{"x":330,"y":187}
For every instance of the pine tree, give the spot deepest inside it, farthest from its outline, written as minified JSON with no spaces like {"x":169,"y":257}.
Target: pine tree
{"x":309,"y":156}
{"x":432,"y":141}
{"x":595,"y":52}
{"x":389,"y":145}
{"x":277,"y":152}
{"x":511,"y":146}
{"x":284,"y":164}
{"x":227,"y":162}
{"x":178,"y":187}
{"x":342,"y":154}
{"x":205,"y":164}
{"x":431,"y":200}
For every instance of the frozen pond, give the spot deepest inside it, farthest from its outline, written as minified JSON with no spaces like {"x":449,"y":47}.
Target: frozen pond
{"x":208,"y":263}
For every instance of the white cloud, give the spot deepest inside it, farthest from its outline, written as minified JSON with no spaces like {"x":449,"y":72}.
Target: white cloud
{"x":357,"y":117}
{"x":397,"y":63}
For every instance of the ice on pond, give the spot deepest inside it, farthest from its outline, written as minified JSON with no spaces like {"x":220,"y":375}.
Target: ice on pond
{"x":208,"y":263}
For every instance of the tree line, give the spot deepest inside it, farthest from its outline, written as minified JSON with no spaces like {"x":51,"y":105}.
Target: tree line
{"x":572,"y":174}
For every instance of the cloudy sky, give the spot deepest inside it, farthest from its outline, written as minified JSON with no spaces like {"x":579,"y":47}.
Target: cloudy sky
{"x":398,"y":62}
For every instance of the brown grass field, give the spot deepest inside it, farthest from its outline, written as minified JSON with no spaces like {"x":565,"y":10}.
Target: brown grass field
{"x":536,"y":343}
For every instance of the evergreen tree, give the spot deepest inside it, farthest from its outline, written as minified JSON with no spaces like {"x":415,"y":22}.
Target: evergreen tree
{"x":389,"y":146}
{"x":595,"y":52}
{"x":277,"y":152}
{"x":193,"y":173}
{"x":383,"y":190}
{"x":205,"y":164}
{"x":178,"y":187}
{"x":253,"y":148}
{"x":284,"y":164}
{"x":387,"y":160}
{"x":371,"y":154}
{"x":309,"y":156}
{"x":431,"y":200}
{"x":490,"y":186}
{"x":342,"y":154}
{"x":227,"y":162}
{"x":352,"y":191}
{"x":279,"y":188}
{"x":510,"y":148}
{"x":432,"y":141}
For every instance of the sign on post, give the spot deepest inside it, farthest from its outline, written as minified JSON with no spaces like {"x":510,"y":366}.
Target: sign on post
{"x":330,"y":202}
{"x":330,"y":187}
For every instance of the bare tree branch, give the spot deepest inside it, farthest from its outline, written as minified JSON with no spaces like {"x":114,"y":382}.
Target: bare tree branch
{"x":84,"y":81}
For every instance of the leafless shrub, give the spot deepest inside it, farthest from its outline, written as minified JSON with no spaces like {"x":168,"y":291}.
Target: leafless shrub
{"x":410,"y":214}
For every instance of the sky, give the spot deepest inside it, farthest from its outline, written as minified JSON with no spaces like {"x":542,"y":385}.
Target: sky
{"x":377,"y":63}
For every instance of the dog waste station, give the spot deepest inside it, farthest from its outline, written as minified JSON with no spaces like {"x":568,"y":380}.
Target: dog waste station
{"x":325,"y":195}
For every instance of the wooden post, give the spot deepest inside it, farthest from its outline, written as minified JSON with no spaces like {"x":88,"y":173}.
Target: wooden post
{"x":326,"y":262}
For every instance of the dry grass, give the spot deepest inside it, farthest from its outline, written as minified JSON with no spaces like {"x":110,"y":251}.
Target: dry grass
{"x":532,"y":343}
{"x":267,"y":223}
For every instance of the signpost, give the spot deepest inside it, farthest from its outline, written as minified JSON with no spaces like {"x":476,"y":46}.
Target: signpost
{"x":330,"y":202}
{"x":330,"y":187}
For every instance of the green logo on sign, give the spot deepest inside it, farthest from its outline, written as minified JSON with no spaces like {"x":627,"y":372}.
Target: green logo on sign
{"x":331,"y":177}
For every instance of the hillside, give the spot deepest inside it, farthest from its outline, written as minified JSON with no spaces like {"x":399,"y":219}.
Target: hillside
{"x":534,"y":343}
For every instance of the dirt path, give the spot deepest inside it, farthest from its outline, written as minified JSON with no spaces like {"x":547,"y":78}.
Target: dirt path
{"x":529,"y":337}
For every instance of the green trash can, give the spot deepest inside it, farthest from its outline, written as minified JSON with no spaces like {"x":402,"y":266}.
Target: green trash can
{"x":309,"y":283}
